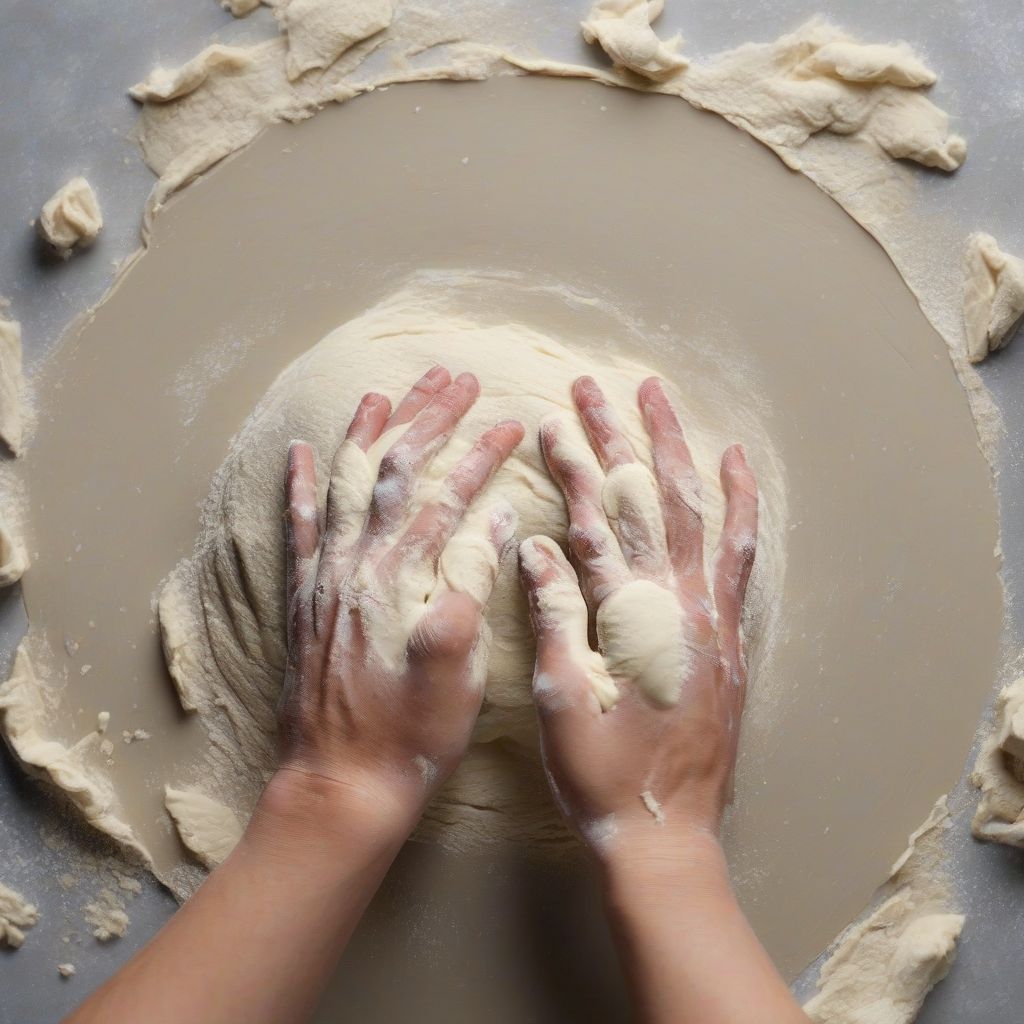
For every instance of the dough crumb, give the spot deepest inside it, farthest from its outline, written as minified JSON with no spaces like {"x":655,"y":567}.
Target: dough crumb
{"x":12,"y":416}
{"x":135,"y":735}
{"x":66,"y":970}
{"x":993,"y":296}
{"x":102,"y":721}
{"x":622,"y":28}
{"x":17,"y":915}
{"x":71,"y":218}
{"x":107,"y":916}
{"x":652,"y":805}
{"x":240,"y":8}
{"x":999,"y":773}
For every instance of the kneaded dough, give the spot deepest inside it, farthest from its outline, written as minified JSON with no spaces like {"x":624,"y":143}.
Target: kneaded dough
{"x":623,"y":30}
{"x":993,"y":296}
{"x":13,"y":557}
{"x":208,"y":828}
{"x":12,"y":426}
{"x":162,"y":85}
{"x":999,"y":773}
{"x":71,"y":217}
{"x":16,"y":915}
{"x":221,"y":610}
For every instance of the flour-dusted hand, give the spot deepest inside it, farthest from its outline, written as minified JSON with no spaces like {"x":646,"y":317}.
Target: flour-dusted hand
{"x":638,"y":736}
{"x":386,"y":640}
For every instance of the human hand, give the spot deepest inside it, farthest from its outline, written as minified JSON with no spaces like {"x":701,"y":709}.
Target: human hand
{"x":639,"y":736}
{"x":386,"y":640}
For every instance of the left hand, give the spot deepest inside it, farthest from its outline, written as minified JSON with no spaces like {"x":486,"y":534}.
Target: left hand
{"x":386,"y":644}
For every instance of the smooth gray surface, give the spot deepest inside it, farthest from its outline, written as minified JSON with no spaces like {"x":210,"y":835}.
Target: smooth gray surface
{"x":64,"y":69}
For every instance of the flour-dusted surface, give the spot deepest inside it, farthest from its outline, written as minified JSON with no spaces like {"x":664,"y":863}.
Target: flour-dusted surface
{"x":221,"y":611}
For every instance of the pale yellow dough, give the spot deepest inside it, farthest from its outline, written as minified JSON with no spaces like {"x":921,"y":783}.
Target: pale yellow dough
{"x":993,"y":296}
{"x":17,"y":915}
{"x":623,"y":30}
{"x":999,"y":773}
{"x":12,"y":426}
{"x":208,"y":828}
{"x":71,"y":217}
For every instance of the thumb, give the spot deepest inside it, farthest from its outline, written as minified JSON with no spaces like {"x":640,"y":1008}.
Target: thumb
{"x":446,"y":643}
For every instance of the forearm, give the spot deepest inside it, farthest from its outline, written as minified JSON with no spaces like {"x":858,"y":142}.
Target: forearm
{"x":259,"y":938}
{"x":689,"y":954}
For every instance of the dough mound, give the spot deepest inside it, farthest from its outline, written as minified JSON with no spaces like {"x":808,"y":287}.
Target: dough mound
{"x":221,"y":610}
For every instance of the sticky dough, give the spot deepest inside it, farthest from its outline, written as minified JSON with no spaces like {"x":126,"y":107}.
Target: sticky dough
{"x":221,"y":610}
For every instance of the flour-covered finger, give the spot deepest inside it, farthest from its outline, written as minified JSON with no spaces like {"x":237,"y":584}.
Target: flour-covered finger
{"x":302,"y":526}
{"x":591,"y":540}
{"x":677,"y":480}
{"x":570,"y":677}
{"x":737,"y":546}
{"x":402,"y":464}
{"x":420,"y":396}
{"x":434,"y":525}
{"x":600,"y":421}
{"x":370,"y":418}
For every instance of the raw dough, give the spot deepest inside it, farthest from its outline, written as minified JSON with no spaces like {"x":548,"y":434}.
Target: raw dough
{"x":240,"y":8}
{"x":107,"y":916}
{"x":11,"y":411}
{"x":221,"y":610}
{"x":993,"y":296}
{"x":999,"y":773}
{"x":622,"y":28}
{"x":71,"y":217}
{"x":16,"y":915}
{"x":164,"y":84}
{"x":885,"y":965}
{"x":208,"y":828}
{"x":320,"y":31}
{"x":66,"y":970}
{"x":13,"y":557}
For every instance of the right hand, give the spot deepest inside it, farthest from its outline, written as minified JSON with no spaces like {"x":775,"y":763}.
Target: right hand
{"x":631,"y":763}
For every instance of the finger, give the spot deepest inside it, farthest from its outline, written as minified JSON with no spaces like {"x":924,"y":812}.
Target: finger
{"x":734,"y":558}
{"x":369,"y":420}
{"x":472,"y":559}
{"x":633,"y":507}
{"x":677,"y":479}
{"x":302,"y":526}
{"x":420,"y":396}
{"x":591,"y":541}
{"x":604,"y":431}
{"x":570,"y":679}
{"x":434,"y":524}
{"x":405,"y":460}
{"x":351,"y":485}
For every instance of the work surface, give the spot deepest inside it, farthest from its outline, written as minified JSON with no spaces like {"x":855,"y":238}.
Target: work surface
{"x":86,"y":126}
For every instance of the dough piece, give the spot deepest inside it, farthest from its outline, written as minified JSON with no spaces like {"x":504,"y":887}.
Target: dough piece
{"x":320,"y":31}
{"x":13,"y":557}
{"x":883,"y":967}
{"x":221,"y":611}
{"x":622,"y":28}
{"x":66,"y":970}
{"x":993,"y":296}
{"x":16,"y":915}
{"x":107,"y":916}
{"x":71,"y":218}
{"x":23,"y":722}
{"x":12,"y":416}
{"x":208,"y":828}
{"x":240,"y":8}
{"x":872,"y":63}
{"x":999,"y":773}
{"x":164,"y":84}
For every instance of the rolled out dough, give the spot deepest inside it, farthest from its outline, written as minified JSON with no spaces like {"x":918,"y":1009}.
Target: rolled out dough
{"x":221,"y":611}
{"x":71,"y":217}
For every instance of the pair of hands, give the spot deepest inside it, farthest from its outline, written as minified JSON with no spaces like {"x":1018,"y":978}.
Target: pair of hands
{"x":379,"y":702}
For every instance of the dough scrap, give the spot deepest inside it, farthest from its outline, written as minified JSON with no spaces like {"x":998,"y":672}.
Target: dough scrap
{"x":240,"y":8}
{"x":208,"y":828}
{"x":13,"y":557}
{"x":993,"y":296}
{"x":999,"y":773}
{"x":12,"y":417}
{"x":107,"y":916}
{"x":622,"y":28}
{"x":16,"y":916}
{"x":895,"y":64}
{"x":71,"y":218}
{"x":221,"y":613}
{"x":23,"y":723}
{"x":165,"y":84}
{"x":320,"y":31}
{"x":884,"y":966}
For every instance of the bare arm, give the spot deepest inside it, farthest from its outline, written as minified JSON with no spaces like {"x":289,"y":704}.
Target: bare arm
{"x":639,"y":738}
{"x":379,"y":701}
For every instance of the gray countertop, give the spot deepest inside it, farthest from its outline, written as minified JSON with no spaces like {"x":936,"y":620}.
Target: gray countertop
{"x":63,"y":75}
